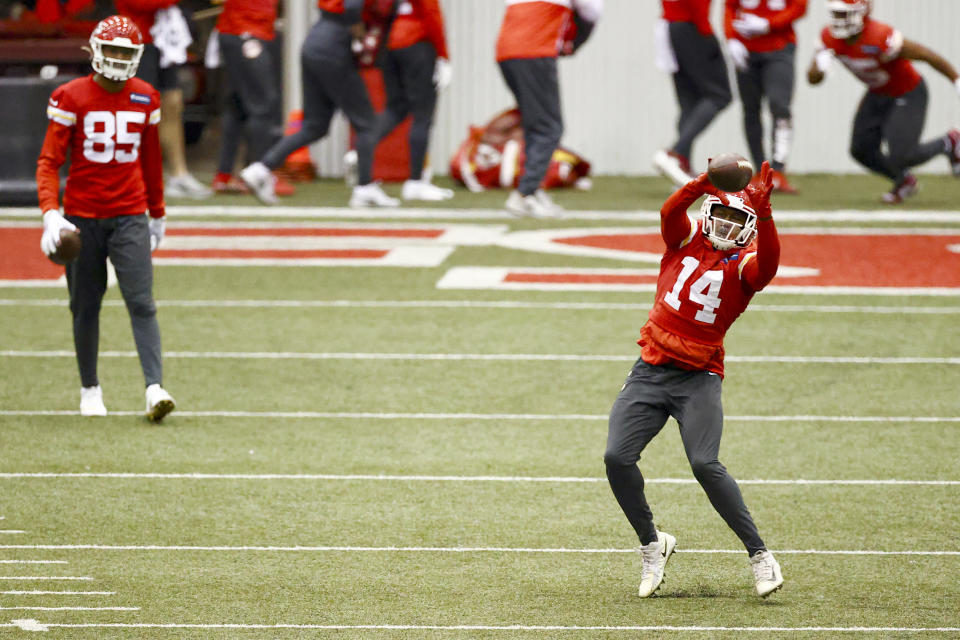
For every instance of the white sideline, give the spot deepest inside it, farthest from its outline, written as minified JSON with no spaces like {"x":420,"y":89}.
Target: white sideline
{"x":482,"y":304}
{"x":34,"y":625}
{"x":492,"y":357}
{"x":424,"y":478}
{"x":389,"y":549}
{"x":404,"y":213}
{"x":347,"y":415}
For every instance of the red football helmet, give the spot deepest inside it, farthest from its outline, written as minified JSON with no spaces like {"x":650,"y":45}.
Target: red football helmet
{"x":847,"y":17}
{"x":116,"y":31}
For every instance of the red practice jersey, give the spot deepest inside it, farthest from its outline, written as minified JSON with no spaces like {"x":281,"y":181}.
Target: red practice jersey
{"x":248,"y":17}
{"x":533,"y":29}
{"x":695,"y":11}
{"x":115,"y":163}
{"x":874,"y":57}
{"x":141,"y":12}
{"x":780,"y":13}
{"x":418,"y":20}
{"x":700,"y":290}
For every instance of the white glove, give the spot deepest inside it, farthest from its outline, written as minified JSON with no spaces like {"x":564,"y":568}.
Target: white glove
{"x":739,"y":54}
{"x":158,"y":226}
{"x":824,"y":60}
{"x":53,"y":224}
{"x":442,"y":74}
{"x":749,"y":25}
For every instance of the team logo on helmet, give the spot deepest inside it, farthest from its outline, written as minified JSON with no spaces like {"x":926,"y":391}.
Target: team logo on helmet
{"x":728,"y":225}
{"x":847,"y":17}
{"x":117,"y":33}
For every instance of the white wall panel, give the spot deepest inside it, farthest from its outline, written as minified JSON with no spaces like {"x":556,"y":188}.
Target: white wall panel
{"x":619,"y":109}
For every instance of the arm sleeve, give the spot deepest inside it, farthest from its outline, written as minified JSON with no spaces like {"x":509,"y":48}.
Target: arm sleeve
{"x":151,"y":164}
{"x":794,"y":11}
{"x":758,"y":272}
{"x":52,"y":156}
{"x":674,"y":223}
{"x":432,"y":18}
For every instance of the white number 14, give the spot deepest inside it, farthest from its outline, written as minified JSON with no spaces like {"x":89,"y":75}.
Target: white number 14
{"x":705,"y":291}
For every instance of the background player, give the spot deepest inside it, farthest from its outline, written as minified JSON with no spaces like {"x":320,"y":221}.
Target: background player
{"x":108,"y":123}
{"x":331,"y":81}
{"x":687,"y":48}
{"x":533,"y":33}
{"x":416,"y":67}
{"x":893,"y":110}
{"x":708,"y":274}
{"x":763,"y":47}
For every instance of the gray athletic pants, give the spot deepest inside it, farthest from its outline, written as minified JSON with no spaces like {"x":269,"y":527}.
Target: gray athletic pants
{"x":701,"y":83}
{"x":328,"y":85}
{"x":898,"y":122}
{"x":770,"y":75}
{"x":408,"y":79}
{"x":253,"y":97}
{"x":650,"y":395}
{"x":126,"y":240}
{"x":536,"y":88}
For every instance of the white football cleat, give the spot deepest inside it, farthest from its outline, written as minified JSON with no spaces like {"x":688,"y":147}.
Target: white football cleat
{"x":261,"y":182}
{"x":186,"y":186}
{"x":548,"y":202}
{"x":350,"y":168}
{"x":91,"y":401}
{"x":766,"y":572}
{"x":423,"y":190}
{"x":655,"y":556}
{"x":528,"y":206}
{"x":371,"y":195}
{"x":159,"y":403}
{"x":672,"y":167}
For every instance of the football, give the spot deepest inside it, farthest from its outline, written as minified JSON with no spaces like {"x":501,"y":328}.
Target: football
{"x":69,"y":247}
{"x":729,"y":172}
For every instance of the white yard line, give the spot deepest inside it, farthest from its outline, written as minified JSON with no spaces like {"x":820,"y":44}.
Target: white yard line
{"x":482,"y":304}
{"x":34,"y":625}
{"x":389,"y":549}
{"x":426,"y":478}
{"x":11,"y":531}
{"x":459,"y":357}
{"x":58,"y":593}
{"x":33,"y":562}
{"x":497,"y":417}
{"x":69,"y":608}
{"x":42,"y":577}
{"x":459,"y":215}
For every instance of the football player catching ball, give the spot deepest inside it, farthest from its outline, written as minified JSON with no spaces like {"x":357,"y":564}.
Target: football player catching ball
{"x":708,"y":275}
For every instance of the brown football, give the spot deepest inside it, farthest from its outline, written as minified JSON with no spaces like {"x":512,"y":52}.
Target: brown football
{"x":729,"y":172}
{"x":69,"y":247}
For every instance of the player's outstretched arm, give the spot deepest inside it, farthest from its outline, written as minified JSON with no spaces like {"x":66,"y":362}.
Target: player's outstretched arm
{"x":674,"y":224}
{"x":52,"y":156}
{"x":916,"y":51}
{"x":759,"y":272}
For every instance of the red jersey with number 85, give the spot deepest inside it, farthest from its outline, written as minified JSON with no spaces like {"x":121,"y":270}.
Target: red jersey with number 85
{"x":874,"y":57}
{"x":116,"y":166}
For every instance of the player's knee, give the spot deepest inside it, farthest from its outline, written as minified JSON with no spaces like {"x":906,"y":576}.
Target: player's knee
{"x":142,"y":307}
{"x":707,"y":471}
{"x":616,"y":459}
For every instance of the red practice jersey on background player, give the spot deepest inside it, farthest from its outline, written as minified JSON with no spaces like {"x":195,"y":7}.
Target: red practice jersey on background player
{"x":781,"y":16}
{"x":248,"y":17}
{"x":701,"y":290}
{"x":695,"y":11}
{"x":418,"y":20}
{"x":874,"y":58}
{"x":116,"y":165}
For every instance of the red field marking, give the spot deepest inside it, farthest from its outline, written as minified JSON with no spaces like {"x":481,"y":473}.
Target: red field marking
{"x":292,"y":254}
{"x":331,"y":232}
{"x":578,"y":278}
{"x":862,"y":260}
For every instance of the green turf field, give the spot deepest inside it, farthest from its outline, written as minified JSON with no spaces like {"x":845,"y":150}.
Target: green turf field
{"x":359,"y":454}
